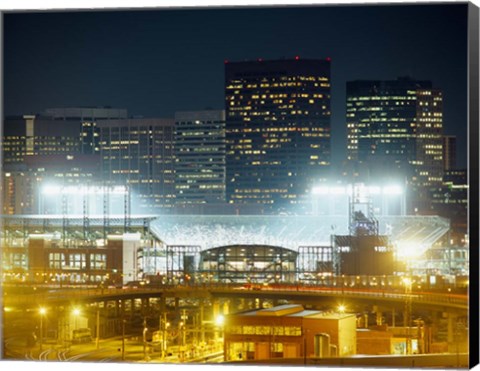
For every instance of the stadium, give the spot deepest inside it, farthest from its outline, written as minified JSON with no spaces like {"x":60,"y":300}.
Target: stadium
{"x":357,"y":234}
{"x":283,"y":248}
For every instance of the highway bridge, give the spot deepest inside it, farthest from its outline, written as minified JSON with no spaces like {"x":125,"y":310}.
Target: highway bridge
{"x":301,"y":294}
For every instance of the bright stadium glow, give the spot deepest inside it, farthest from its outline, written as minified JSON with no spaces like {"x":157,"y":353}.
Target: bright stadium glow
{"x":220,"y":320}
{"x":51,"y":189}
{"x":361,"y":189}
{"x":392,"y":190}
{"x":409,"y":251}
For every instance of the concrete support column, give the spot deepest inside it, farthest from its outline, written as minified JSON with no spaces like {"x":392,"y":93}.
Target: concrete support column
{"x":451,"y":323}
{"x":202,"y":325}
{"x":215,"y":309}
{"x":226,"y":307}
{"x":163,"y":304}
{"x":145,"y":305}
{"x":379,"y":318}
{"x":177,"y":307}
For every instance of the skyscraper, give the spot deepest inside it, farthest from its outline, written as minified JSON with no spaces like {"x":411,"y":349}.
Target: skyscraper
{"x":200,"y":157}
{"x":429,"y":137}
{"x":449,"y":152}
{"x":277,"y":130}
{"x":87,"y":118}
{"x":34,"y":135}
{"x":138,"y":153}
{"x":395,"y":128}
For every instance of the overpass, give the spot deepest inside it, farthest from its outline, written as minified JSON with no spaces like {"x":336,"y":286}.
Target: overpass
{"x":302,"y":294}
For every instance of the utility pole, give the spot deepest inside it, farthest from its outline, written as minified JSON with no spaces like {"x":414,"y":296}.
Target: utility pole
{"x":163,"y":328}
{"x":408,"y":313}
{"x":123,"y":339}
{"x":145,"y":338}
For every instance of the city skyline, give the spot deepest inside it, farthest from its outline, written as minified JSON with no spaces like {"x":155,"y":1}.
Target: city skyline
{"x":161,"y":61}
{"x":276,"y":185}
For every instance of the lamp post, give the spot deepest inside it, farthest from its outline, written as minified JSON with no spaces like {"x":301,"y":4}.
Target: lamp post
{"x":76,"y":313}
{"x":163,"y":327}
{"x":42,"y":311}
{"x":408,"y":312}
{"x":123,"y":339}
{"x":219,"y":322}
{"x":145,"y":329}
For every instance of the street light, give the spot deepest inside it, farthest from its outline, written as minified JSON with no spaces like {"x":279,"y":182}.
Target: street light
{"x":407,"y":281}
{"x":219,"y":322}
{"x":42,"y":311}
{"x":76,"y":313}
{"x":145,"y":330}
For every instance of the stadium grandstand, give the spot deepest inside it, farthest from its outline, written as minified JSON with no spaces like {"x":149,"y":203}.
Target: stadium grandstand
{"x":277,"y":248}
{"x":289,"y":232}
{"x":87,"y":248}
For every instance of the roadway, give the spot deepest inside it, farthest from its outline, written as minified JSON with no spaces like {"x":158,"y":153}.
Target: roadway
{"x":428,"y":300}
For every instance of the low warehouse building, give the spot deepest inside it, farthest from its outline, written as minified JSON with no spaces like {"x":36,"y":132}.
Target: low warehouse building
{"x":289,"y":331}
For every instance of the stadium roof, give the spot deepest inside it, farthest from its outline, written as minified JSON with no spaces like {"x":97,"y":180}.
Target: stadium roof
{"x":287,"y":231}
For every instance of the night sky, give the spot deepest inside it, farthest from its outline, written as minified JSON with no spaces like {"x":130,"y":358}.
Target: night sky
{"x":156,"y":62}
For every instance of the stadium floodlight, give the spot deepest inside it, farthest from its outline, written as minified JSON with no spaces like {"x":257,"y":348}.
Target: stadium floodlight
{"x":392,"y":190}
{"x":374,"y":190}
{"x":329,"y":190}
{"x":409,"y":251}
{"x":321,"y":190}
{"x":52,"y":189}
{"x":337,"y":190}
{"x":360,"y":189}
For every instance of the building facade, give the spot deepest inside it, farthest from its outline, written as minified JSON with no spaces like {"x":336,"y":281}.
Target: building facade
{"x":288,"y":331}
{"x":199,"y":157}
{"x":87,"y":118}
{"x":51,"y":250}
{"x":449,"y":152}
{"x":25,"y":185}
{"x":395,"y":129}
{"x":138,"y":153}
{"x":32,"y":135}
{"x":277,"y":130}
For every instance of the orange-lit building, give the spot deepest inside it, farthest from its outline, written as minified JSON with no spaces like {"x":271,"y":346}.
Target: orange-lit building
{"x":288,"y":331}
{"x":73,"y":250}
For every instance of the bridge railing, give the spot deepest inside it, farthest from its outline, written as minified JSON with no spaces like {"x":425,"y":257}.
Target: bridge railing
{"x":395,"y":294}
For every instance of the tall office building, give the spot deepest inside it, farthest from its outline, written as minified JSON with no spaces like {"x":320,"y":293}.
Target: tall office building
{"x":87,"y":118}
{"x":56,"y":131}
{"x":34,"y":135}
{"x":429,"y":137}
{"x":138,"y":153}
{"x":395,"y":129}
{"x":449,"y":152}
{"x":200,"y":157}
{"x":277,"y":130}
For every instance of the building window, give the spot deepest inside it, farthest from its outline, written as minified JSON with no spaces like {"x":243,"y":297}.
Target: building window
{"x":98,"y":261}
{"x":78,"y":261}
{"x":56,"y":260}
